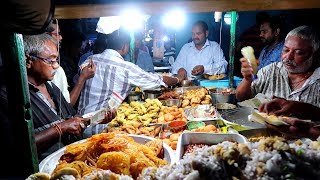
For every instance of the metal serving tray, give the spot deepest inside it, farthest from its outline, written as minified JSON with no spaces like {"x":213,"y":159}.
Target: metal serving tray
{"x":201,"y":110}
{"x":205,"y":138}
{"x":184,"y":89}
{"x":49,"y":163}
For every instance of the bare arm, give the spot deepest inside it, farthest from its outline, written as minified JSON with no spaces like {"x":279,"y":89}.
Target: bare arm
{"x":50,"y":136}
{"x":86,"y":73}
{"x":244,"y":88}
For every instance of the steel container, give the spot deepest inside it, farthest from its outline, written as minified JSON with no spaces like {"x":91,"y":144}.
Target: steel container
{"x":223,"y":95}
{"x":205,"y":138}
{"x":134,"y":96}
{"x":151,"y":94}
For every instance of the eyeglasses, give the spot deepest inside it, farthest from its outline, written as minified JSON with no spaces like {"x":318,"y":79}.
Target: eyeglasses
{"x":48,"y":61}
{"x":54,"y":33}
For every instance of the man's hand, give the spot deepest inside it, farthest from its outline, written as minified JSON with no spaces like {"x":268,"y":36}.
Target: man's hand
{"x":74,"y":125}
{"x":279,"y":106}
{"x":246,"y":69}
{"x":88,"y":71}
{"x":297,"y":129}
{"x":110,"y":114}
{"x":197,"y":70}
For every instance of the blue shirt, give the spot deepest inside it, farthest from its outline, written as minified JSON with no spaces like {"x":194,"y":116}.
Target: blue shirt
{"x":268,"y":57}
{"x":144,"y":61}
{"x":210,"y":56}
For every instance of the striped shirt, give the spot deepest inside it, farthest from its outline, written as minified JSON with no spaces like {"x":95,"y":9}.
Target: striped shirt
{"x":113,"y":74}
{"x":273,"y":80}
{"x":210,"y":56}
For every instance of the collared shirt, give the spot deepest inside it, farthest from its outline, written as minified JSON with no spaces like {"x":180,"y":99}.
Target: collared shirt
{"x":60,"y":80}
{"x":44,"y":117}
{"x":210,"y":56}
{"x":113,"y":74}
{"x":144,"y":61}
{"x":271,"y":56}
{"x":273,"y":80}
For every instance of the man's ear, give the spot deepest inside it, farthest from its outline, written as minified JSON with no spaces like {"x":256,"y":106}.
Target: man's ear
{"x":28,"y":61}
{"x":207,"y":34}
{"x":277,"y":32}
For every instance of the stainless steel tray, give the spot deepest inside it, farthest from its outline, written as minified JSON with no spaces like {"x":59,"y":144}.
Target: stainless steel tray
{"x":201,"y":111}
{"x":184,"y":89}
{"x":49,"y":163}
{"x":205,"y":138}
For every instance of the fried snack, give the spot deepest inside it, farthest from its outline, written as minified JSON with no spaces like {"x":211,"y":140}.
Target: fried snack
{"x":111,"y":151}
{"x":65,"y":171}
{"x":155,"y":145}
{"x":39,"y":176}
{"x":117,"y":162}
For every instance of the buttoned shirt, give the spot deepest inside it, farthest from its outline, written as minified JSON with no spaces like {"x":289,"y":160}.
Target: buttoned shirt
{"x":267,"y":57}
{"x":113,"y":75}
{"x":210,"y":56}
{"x":60,"y":80}
{"x":144,"y":61}
{"x":273,"y":80}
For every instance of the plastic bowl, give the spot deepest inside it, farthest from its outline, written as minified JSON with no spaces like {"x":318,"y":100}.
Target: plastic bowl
{"x":177,"y":126}
{"x":195,"y":124}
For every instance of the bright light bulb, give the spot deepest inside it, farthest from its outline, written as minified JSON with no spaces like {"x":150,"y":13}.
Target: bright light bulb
{"x":132,"y":20}
{"x":174,"y":19}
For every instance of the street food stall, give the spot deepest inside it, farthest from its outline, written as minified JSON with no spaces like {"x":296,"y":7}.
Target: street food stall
{"x":182,"y":127}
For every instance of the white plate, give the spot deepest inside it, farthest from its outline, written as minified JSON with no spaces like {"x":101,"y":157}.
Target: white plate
{"x":50,"y":162}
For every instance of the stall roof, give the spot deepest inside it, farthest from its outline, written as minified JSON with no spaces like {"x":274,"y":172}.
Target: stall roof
{"x":95,"y":9}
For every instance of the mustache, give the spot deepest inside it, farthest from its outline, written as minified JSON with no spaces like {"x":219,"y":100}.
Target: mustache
{"x":288,"y":62}
{"x":54,"y":72}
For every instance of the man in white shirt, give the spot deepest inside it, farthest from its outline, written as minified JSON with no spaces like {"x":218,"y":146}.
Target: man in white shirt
{"x":200,"y":56}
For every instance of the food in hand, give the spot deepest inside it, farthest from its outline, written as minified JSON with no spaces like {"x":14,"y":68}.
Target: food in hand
{"x":248,"y":53}
{"x":261,"y":118}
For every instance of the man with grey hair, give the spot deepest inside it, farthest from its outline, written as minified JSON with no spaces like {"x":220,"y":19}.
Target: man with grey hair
{"x":296,"y":78}
{"x":54,"y":121}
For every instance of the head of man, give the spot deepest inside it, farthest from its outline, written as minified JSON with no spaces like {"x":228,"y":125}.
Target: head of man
{"x":54,"y":31}
{"x":119,"y":41}
{"x":41,"y":57}
{"x":300,"y":52}
{"x":200,"y":33}
{"x":270,"y":30}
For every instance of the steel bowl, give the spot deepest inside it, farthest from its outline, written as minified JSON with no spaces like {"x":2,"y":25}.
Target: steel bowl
{"x":186,"y":83}
{"x":172,"y":102}
{"x":151,"y":94}
{"x":223,"y":95}
{"x":134,"y":96}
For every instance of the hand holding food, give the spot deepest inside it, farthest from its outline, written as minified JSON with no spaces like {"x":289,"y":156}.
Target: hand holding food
{"x":248,"y":53}
{"x":297,"y":128}
{"x":280,"y":106}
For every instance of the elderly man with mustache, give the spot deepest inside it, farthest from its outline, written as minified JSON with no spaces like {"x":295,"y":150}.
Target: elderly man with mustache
{"x":54,"y":120}
{"x":296,"y":78}
{"x":200,"y":56}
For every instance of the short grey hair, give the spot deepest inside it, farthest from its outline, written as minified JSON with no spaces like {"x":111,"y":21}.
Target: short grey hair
{"x":34,"y":44}
{"x":306,"y":33}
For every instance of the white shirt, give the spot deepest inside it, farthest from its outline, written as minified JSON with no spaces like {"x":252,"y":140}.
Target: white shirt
{"x":60,"y":80}
{"x":210,"y":56}
{"x":113,"y":75}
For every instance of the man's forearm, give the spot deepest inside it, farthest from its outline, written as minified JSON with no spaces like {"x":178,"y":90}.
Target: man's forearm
{"x":244,"y":90}
{"x":74,"y":94}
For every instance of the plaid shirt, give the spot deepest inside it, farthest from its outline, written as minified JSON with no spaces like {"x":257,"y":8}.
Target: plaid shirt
{"x":113,"y":74}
